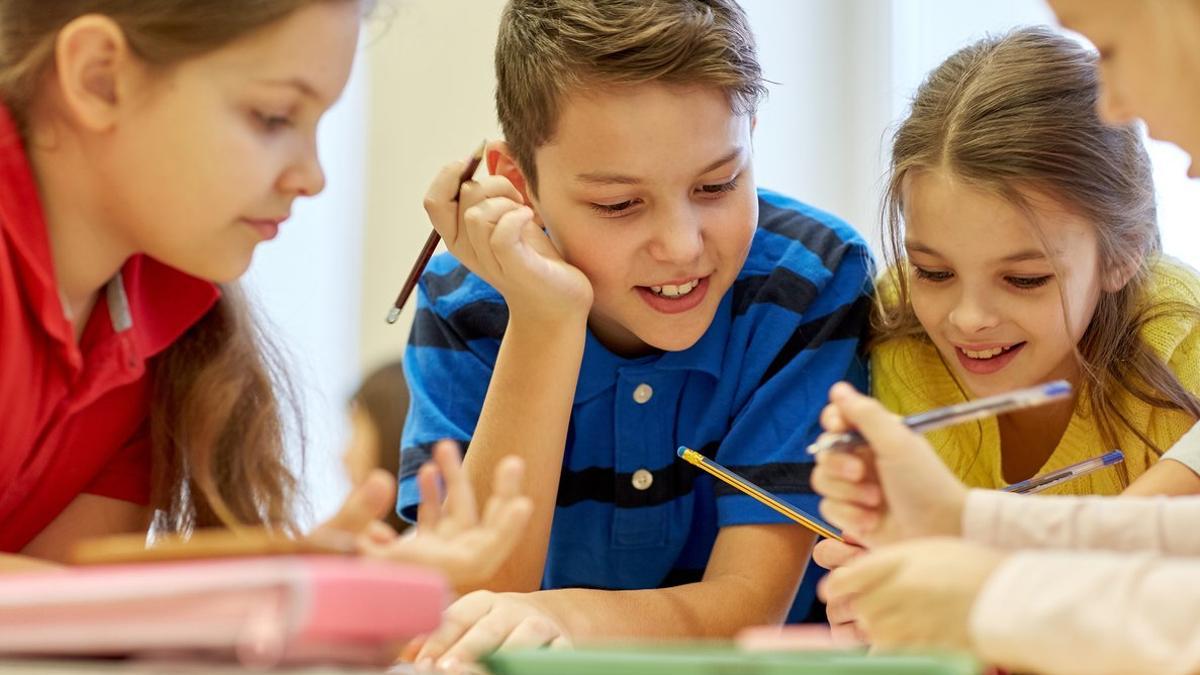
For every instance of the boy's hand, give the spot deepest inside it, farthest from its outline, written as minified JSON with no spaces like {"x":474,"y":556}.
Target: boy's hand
{"x":896,"y":488}
{"x":491,"y":231}
{"x":915,"y":594}
{"x":832,"y":554}
{"x":450,"y":536}
{"x":483,"y":622}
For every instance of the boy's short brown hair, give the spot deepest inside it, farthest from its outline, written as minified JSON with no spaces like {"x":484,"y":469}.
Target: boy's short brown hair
{"x":546,"y":48}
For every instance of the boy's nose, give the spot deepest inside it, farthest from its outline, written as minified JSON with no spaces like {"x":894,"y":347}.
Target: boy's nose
{"x":679,"y":239}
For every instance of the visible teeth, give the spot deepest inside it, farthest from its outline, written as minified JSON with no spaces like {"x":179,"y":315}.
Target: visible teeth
{"x":671,"y":291}
{"x":985,"y":354}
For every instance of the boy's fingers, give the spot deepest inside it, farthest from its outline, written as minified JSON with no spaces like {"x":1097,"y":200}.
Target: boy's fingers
{"x":506,"y":238}
{"x":459,"y":618}
{"x":440,"y":203}
{"x":533,"y":631}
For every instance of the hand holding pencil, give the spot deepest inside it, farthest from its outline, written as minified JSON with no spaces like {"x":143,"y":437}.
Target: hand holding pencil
{"x":489,"y":228}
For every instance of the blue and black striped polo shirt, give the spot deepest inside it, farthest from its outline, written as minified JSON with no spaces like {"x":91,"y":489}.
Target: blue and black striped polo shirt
{"x":748,"y":394}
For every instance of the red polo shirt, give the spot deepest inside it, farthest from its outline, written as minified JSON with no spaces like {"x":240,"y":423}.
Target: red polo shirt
{"x":74,"y":415}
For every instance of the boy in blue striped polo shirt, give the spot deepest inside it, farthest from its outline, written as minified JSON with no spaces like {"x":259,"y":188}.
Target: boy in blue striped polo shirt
{"x":615,"y":288}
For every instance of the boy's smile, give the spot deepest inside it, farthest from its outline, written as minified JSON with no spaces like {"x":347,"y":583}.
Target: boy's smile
{"x":648,"y":189}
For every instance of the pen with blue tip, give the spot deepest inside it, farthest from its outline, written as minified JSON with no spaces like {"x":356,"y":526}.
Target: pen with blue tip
{"x":958,"y":413}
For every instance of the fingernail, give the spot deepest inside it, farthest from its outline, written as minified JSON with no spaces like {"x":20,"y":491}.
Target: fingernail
{"x":448,"y":664}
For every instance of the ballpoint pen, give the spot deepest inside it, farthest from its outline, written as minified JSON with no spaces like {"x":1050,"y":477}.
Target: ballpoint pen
{"x":959,"y":413}
{"x":1039,"y":483}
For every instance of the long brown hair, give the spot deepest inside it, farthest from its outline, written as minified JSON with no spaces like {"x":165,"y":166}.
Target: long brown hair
{"x":1018,"y":112}
{"x":219,"y":394}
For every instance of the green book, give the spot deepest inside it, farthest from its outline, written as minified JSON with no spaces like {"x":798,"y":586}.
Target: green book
{"x":710,"y":660}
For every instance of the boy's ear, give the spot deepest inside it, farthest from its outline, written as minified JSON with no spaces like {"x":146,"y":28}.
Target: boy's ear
{"x":92,"y":58}
{"x":501,"y":162}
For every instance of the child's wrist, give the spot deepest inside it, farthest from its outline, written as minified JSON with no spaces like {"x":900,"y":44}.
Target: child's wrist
{"x":550,"y":321}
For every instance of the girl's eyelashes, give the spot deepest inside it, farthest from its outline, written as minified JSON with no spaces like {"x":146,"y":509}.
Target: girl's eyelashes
{"x":932,"y":275}
{"x":270,"y":122}
{"x":1029,"y":283}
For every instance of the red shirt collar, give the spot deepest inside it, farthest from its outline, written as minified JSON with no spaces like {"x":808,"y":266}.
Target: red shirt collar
{"x":158,"y":303}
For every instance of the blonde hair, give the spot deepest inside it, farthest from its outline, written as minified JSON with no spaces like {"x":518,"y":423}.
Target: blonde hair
{"x":1015,"y":113}
{"x":548,"y":49}
{"x":216,"y":423}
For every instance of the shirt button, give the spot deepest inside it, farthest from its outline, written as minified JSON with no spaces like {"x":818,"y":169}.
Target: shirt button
{"x":642,"y":479}
{"x":643,"y":393}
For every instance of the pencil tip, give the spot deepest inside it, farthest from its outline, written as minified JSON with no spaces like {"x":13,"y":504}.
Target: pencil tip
{"x":393,"y":314}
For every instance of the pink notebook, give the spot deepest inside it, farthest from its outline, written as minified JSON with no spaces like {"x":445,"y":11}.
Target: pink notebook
{"x":258,"y":611}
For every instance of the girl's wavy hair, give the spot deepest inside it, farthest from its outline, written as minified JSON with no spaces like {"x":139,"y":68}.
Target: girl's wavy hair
{"x":219,"y":398}
{"x":1017,"y":113}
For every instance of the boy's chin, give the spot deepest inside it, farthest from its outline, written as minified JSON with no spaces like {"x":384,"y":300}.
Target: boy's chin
{"x":672,"y":341}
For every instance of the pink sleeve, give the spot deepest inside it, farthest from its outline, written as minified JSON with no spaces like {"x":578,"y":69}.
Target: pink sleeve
{"x":1152,"y":524}
{"x":1071,"y":612}
{"x":127,"y":475}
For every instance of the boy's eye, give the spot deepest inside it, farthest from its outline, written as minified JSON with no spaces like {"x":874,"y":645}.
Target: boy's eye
{"x":932,"y":275}
{"x":1027,"y":283}
{"x":614,"y":209}
{"x":273,"y":122}
{"x":719,"y":188}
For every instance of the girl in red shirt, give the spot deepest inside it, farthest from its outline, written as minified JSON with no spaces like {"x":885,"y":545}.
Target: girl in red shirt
{"x":146,"y":149}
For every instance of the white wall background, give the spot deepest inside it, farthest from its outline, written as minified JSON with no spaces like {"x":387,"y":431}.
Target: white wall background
{"x":306,"y":285}
{"x":422,"y":96}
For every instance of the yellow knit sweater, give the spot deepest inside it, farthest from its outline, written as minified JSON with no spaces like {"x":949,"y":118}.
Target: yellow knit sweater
{"x":909,"y":376}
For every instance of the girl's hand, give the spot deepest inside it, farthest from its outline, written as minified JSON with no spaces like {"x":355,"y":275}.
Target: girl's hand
{"x":363,"y":511}
{"x":915,"y":594}
{"x":450,"y":535}
{"x":491,"y":231}
{"x":893,"y":490}
{"x":483,"y":622}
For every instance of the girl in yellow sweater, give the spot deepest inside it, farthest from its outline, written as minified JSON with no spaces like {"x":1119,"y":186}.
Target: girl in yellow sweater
{"x":1023,"y":247}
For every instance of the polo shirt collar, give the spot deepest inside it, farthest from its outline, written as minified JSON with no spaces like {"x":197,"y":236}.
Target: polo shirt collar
{"x":152,"y":301}
{"x":598,"y":372}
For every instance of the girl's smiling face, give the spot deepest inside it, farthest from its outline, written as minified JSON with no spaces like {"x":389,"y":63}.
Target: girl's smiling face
{"x":1004,"y":299}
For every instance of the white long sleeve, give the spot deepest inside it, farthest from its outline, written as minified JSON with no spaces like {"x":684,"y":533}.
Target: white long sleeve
{"x":1166,"y":525}
{"x":1076,"y":612}
{"x":1186,"y":450}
